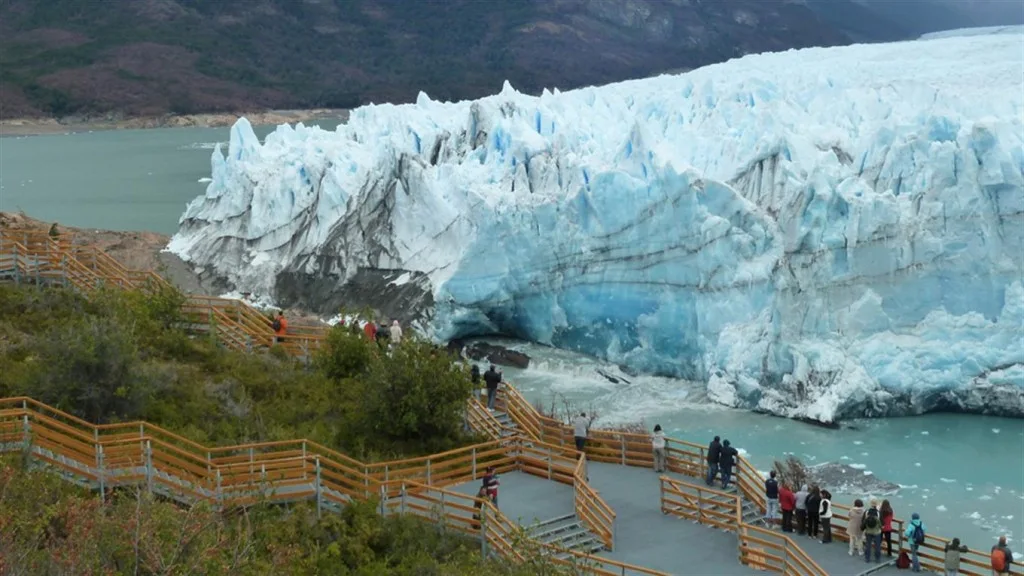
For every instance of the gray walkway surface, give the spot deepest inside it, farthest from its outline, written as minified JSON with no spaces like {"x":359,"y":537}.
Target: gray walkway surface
{"x":526,"y":498}
{"x":835,"y":558}
{"x":646,"y":537}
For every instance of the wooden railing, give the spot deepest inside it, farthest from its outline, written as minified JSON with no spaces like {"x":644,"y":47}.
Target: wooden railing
{"x":34,"y":256}
{"x":764,"y":549}
{"x":590,"y":508}
{"x":722,"y":510}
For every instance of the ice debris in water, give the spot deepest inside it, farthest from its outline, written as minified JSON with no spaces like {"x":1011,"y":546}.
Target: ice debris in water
{"x":819,"y":233}
{"x":924,"y":432}
{"x":995,"y":430}
{"x":941,"y":508}
{"x":857,"y":442}
{"x":947,"y":480}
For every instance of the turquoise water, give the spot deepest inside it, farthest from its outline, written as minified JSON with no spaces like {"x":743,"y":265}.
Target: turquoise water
{"x":114,"y":180}
{"x":963,"y":474}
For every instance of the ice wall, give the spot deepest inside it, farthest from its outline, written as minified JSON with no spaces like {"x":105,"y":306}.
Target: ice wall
{"x":818,"y":233}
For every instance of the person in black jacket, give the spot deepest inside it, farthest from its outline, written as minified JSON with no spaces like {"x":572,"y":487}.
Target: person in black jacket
{"x":771,"y":494}
{"x":492,"y":378}
{"x":714,"y":451}
{"x":726,"y":461}
{"x":813,"y":514}
{"x":474,"y":377}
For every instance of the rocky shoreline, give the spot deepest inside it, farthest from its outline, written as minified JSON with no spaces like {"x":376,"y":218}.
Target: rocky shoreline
{"x":42,"y":126}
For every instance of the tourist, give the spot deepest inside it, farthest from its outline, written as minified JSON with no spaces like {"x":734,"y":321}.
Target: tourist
{"x":915,"y":534}
{"x":714,"y":453}
{"x":382,"y":334}
{"x":371,"y":331}
{"x":887,"y":517}
{"x":280,"y":326}
{"x":658,"y":446}
{"x":396,"y":333}
{"x":1002,"y":558}
{"x":54,"y":232}
{"x":726,"y":460}
{"x":801,"y":509}
{"x":478,"y":504}
{"x":771,"y":494}
{"x":813,"y":518}
{"x":787,"y":501}
{"x":492,"y":378}
{"x":825,"y":512}
{"x":872,"y":527}
{"x":474,"y":377}
{"x":491,"y":484}
{"x":580,"y":425}
{"x":953,"y":552}
{"x":855,"y":527}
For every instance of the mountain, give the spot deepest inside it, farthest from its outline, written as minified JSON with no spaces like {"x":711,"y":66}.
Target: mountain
{"x":139,"y":57}
{"x":151,"y":57}
{"x":822,"y":233}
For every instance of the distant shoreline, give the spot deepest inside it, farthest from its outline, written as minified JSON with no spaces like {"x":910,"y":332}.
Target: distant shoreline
{"x":44,"y":126}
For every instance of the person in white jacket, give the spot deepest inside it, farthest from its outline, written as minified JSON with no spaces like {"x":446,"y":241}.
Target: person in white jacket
{"x":825,"y":514}
{"x":658,"y":445}
{"x":396,"y":333}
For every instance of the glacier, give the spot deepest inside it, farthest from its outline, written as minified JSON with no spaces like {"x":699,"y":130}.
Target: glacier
{"x":824,"y":233}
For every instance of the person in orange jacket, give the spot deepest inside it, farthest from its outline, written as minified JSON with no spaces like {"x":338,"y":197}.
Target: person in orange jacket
{"x":280,"y":326}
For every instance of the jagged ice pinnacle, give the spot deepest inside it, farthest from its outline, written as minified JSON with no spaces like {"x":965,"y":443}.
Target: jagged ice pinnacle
{"x":819,"y":233}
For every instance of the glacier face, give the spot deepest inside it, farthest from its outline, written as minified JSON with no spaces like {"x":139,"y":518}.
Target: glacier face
{"x":820,"y":233}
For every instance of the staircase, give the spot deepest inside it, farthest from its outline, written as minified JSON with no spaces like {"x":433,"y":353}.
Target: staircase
{"x":509,"y":428}
{"x":566,"y":532}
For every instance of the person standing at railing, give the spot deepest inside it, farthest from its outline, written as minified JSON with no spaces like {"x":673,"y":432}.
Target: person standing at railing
{"x":787,"y":501}
{"x":951,"y":562}
{"x":855,"y":527}
{"x":825,"y":512}
{"x":580,"y":425}
{"x":474,"y":377}
{"x":726,"y":461}
{"x":714,"y":455}
{"x":887,"y":514}
{"x":813,"y":505}
{"x":396,"y":333}
{"x":1002,"y":558}
{"x":771,"y":494}
{"x":492,"y":378}
{"x":873,"y":527}
{"x":658,"y":446}
{"x":801,"y":509}
{"x":915,"y":534}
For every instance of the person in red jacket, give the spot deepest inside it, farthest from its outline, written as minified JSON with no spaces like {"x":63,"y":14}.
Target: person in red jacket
{"x":787,"y":501}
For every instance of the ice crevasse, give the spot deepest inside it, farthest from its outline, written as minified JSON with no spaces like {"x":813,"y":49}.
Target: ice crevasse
{"x":823,"y":233}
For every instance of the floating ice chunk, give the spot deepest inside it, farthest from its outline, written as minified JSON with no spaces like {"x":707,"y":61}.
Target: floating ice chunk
{"x":205,"y":180}
{"x":995,"y":430}
{"x":947,"y":480}
{"x":974,"y":515}
{"x":941,"y":508}
{"x":858,"y":466}
{"x":924,"y":432}
{"x":918,"y":464}
{"x":857,"y":442}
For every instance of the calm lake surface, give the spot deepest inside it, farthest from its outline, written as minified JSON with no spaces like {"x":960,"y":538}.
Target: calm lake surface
{"x":963,"y":474}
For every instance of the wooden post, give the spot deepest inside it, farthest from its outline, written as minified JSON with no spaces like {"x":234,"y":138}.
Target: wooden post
{"x":474,"y":463}
{"x":622,"y":442}
{"x":402,"y":509}
{"x":428,"y":471}
{"x":303,"y":459}
{"x":218,"y":495}
{"x":318,"y":504}
{"x":483,"y":530}
{"x":103,"y":486}
{"x":149,"y":466}
{"x":25,"y":428}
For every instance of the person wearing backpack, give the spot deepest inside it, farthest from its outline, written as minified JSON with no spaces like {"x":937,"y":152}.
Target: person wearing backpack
{"x":872,"y":529}
{"x":952,"y":561}
{"x":825,"y":512}
{"x":1002,"y":558}
{"x":280,"y":326}
{"x":813,"y":505}
{"x":915,"y":534}
{"x":855,"y":527}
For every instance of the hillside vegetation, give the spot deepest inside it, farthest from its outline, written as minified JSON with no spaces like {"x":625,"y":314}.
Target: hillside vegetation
{"x":119,"y":356}
{"x":136,"y":57}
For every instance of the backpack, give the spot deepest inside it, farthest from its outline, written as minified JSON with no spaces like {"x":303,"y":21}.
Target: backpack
{"x":917,"y":536}
{"x":998,"y":560}
{"x":276,"y":325}
{"x":903,"y":562}
{"x":870,"y":520}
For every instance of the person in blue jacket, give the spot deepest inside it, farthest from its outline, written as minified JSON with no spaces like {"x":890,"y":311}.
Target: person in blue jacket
{"x":915,"y":534}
